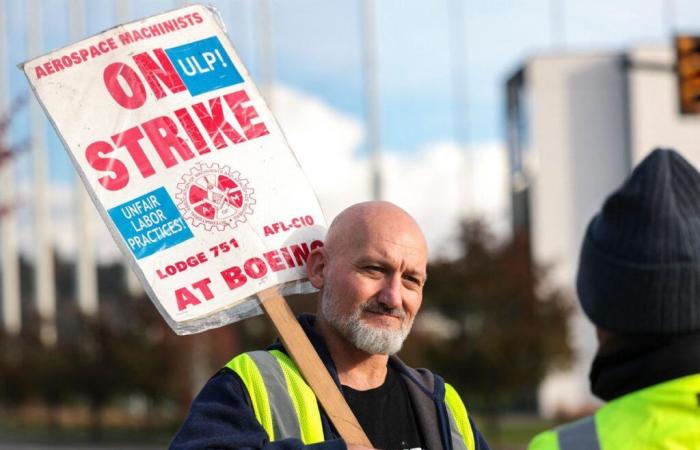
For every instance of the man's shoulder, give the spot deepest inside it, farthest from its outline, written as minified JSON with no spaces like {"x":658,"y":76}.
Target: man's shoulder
{"x":546,"y":440}
{"x":582,"y":432}
{"x":225,"y":380}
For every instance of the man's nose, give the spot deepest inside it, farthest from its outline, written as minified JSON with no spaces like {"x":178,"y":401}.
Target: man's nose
{"x":390,"y":295}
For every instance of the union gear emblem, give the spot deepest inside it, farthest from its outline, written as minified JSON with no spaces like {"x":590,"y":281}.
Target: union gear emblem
{"x":214,"y":197}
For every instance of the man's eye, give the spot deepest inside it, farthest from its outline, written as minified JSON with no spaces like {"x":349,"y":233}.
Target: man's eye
{"x":373,"y":269}
{"x":413,"y":281}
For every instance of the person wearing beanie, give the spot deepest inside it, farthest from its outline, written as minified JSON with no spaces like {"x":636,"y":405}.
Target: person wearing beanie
{"x":639,"y":283}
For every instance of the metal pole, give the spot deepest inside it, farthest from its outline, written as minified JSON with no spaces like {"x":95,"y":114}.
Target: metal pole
{"x":133,"y":287}
{"x":44,"y":264}
{"x":460,"y":111}
{"x":86,"y":269}
{"x":369,"y":48}
{"x":11,"y":306}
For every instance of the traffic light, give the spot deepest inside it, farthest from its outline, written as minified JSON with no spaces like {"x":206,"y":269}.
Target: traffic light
{"x":688,"y":72}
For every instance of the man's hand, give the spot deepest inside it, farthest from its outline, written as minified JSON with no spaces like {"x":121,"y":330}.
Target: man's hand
{"x":359,"y":447}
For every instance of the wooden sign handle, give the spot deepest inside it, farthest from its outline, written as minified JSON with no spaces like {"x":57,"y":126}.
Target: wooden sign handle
{"x":309,"y":363}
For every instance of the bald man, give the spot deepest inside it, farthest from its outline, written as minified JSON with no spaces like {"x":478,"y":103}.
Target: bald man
{"x":370,"y":274}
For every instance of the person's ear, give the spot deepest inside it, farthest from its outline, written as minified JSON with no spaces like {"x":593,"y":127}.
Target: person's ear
{"x":315,"y":265}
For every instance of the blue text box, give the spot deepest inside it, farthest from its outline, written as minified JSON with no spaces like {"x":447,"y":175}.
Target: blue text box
{"x":204,"y":65}
{"x":150,"y":223}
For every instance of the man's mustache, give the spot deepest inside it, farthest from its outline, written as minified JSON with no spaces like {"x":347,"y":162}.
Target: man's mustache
{"x":377,"y":307}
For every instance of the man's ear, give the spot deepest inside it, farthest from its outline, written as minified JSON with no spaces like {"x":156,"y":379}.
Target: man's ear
{"x":315,"y":265}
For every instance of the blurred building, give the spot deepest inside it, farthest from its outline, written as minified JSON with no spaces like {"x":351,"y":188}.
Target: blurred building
{"x":577,"y":125}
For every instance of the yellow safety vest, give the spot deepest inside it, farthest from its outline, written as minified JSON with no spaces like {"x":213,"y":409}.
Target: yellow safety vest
{"x":286,"y":407}
{"x":665,"y":416}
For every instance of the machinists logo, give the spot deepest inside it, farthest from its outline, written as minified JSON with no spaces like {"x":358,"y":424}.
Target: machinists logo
{"x":214,"y":197}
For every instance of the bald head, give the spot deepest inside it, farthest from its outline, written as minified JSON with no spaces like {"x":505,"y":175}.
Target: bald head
{"x":355,"y":224}
{"x":371,"y":271}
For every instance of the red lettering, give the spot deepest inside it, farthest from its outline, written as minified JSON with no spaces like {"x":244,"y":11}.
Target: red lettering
{"x":215,"y":124}
{"x":287,"y":257}
{"x":66,"y":60}
{"x":192,"y":131}
{"x":316,"y":244}
{"x":57,"y":65}
{"x":39,"y":72}
{"x":103,"y":46}
{"x":255,"y":268}
{"x":165,"y":72}
{"x":125,"y":38}
{"x":233,"y":277}
{"x":162,"y":132}
{"x":137,"y":35}
{"x":118,"y":71}
{"x":203,"y":287}
{"x":244,"y":114}
{"x":94,"y":51}
{"x":130,"y":139}
{"x":300,"y":252}
{"x":118,"y":174}
{"x":274,"y":261}
{"x":185,"y":298}
{"x":268,"y":231}
{"x":196,"y":259}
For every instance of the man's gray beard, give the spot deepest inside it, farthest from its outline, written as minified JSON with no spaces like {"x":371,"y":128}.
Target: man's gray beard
{"x":375,"y":341}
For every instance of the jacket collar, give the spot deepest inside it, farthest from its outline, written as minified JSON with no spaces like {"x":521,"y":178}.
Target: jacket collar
{"x":628,"y":363}
{"x":425,"y":388}
{"x":307,"y":322}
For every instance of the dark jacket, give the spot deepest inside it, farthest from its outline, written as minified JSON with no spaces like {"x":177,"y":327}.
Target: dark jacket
{"x":221,"y":416}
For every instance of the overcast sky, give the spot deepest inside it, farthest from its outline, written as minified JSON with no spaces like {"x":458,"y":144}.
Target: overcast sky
{"x":318,"y":77}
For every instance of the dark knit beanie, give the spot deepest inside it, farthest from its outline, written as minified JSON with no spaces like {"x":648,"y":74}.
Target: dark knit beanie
{"x":639,"y":271}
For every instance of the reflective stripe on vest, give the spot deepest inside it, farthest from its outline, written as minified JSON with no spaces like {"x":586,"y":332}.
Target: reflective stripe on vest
{"x":460,"y":428}
{"x":581,"y":435}
{"x":283,"y":403}
{"x":286,"y":407}
{"x":664,"y":415}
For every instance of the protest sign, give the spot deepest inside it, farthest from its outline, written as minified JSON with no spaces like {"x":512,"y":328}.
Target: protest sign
{"x":185,"y":163}
{"x":192,"y":175}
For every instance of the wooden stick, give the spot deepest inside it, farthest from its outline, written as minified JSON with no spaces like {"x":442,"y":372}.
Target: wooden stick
{"x":315,"y":373}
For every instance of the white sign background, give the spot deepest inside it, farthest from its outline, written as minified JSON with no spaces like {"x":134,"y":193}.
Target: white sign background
{"x":251,"y":212}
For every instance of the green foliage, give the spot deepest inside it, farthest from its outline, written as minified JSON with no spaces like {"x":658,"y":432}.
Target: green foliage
{"x":124,"y":351}
{"x":498,"y":331}
{"x":97,"y":361}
